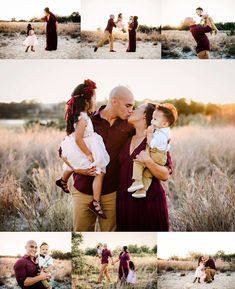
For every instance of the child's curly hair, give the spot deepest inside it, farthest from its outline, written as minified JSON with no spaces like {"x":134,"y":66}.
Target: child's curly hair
{"x":169,"y":111}
{"x":79,"y":102}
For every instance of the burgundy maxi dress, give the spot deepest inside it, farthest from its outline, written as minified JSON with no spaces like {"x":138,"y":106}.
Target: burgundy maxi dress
{"x":51,"y":33}
{"x":144,"y":214}
{"x":123,"y":269}
{"x":132,"y":38}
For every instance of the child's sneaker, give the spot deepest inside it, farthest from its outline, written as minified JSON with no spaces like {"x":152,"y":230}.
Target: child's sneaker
{"x":137,"y":185}
{"x":95,"y":207}
{"x":139,"y":194}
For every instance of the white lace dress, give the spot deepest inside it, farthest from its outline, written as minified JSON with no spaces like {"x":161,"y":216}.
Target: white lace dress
{"x":31,"y":39}
{"x":200,"y":271}
{"x":94,"y":142}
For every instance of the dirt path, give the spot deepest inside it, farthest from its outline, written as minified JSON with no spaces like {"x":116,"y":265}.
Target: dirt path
{"x":174,"y":281}
{"x":12,"y":47}
{"x":145,"y":50}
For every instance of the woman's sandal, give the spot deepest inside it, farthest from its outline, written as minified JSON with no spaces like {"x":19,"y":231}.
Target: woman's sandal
{"x":63,"y":185}
{"x":95,"y":207}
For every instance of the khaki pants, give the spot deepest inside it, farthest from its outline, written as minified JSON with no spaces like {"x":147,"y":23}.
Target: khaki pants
{"x":46,"y":284}
{"x":107,"y":36}
{"x":104,"y":271}
{"x":210,"y":273}
{"x":140,"y":172}
{"x":84,"y":219}
{"x":203,"y":54}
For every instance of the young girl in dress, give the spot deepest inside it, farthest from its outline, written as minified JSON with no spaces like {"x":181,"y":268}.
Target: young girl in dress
{"x":119,"y":23}
{"x":131,"y":277}
{"x":31,"y":39}
{"x":200,"y":270}
{"x":82,"y":148}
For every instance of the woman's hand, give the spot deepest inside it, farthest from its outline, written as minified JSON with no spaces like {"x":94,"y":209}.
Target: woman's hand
{"x":143,"y":157}
{"x":90,"y":158}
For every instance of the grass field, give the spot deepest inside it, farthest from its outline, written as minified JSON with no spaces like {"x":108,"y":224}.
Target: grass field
{"x":200,"y":192}
{"x":181,"y":44}
{"x":146,"y":272}
{"x":61,"y":274}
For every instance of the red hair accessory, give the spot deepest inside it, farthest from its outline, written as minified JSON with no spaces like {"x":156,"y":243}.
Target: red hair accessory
{"x":87,"y":91}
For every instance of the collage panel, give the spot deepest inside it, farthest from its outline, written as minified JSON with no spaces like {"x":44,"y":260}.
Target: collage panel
{"x":194,"y":29}
{"x":114,"y":260}
{"x":121,"y":29}
{"x":40,"y":29}
{"x":196,"y":260}
{"x":191,"y":190}
{"x":35,"y":260}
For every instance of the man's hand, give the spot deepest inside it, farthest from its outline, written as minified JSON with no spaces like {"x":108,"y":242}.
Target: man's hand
{"x":90,"y":158}
{"x":43,"y":275}
{"x":86,"y":172}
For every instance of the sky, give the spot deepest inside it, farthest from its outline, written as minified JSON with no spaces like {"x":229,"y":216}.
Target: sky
{"x":27,"y":9}
{"x":179,"y":244}
{"x":52,"y":81}
{"x":118,"y":239}
{"x":173,"y":12}
{"x":12,"y":244}
{"x":95,"y":13}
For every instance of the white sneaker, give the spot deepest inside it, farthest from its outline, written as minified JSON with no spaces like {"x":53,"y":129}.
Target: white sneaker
{"x":139,"y":194}
{"x":135,"y":186}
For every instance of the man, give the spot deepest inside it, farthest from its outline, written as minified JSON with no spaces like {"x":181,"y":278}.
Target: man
{"x":111,"y":123}
{"x":26,"y":270}
{"x":210,"y":269}
{"x":199,"y":34}
{"x":105,"y":255}
{"x":108,"y":35}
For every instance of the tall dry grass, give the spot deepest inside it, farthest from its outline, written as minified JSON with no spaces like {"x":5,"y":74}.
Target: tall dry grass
{"x":181,"y":44}
{"x":61,"y":273}
{"x":12,"y":28}
{"x":201,"y":191}
{"x":95,"y":36}
{"x":172,"y":265}
{"x":146,"y":272}
{"x":29,"y":166}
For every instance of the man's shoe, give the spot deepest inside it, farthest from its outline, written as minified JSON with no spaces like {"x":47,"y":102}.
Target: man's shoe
{"x":113,"y":50}
{"x":95,"y":49}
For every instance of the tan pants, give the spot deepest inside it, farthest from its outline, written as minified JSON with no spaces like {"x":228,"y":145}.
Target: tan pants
{"x":104,"y":271}
{"x":140,"y":172}
{"x":84,"y":219}
{"x":107,"y":36}
{"x":203,"y":54}
{"x":46,"y":284}
{"x":210,"y":273}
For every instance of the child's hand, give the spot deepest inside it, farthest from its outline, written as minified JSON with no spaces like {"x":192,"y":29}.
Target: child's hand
{"x":90,"y":158}
{"x":150,"y":129}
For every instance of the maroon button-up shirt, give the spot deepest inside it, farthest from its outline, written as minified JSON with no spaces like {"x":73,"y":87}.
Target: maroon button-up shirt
{"x":105,"y":256}
{"x":110,"y":26}
{"x":114,"y":138}
{"x":199,"y":34}
{"x":25,"y":267}
{"x":210,"y":263}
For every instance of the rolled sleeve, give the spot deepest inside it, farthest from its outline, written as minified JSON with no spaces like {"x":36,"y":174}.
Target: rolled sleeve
{"x":20,"y":272}
{"x":205,"y":29}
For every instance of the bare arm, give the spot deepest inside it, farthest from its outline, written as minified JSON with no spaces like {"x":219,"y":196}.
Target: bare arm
{"x":57,"y":26}
{"x":29,"y":281}
{"x":79,"y":134}
{"x":159,"y":172}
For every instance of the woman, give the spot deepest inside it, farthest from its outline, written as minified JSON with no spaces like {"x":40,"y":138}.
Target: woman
{"x":150,"y":213}
{"x":132,"y":27}
{"x":51,"y":29}
{"x":123,"y":260}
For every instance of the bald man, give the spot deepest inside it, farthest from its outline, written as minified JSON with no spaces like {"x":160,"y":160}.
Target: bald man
{"x":199,"y":34}
{"x":26,"y":269}
{"x":110,"y":122}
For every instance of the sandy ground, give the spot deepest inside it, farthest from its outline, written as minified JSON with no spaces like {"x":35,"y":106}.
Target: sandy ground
{"x":145,"y":50}
{"x":12,"y":47}
{"x":174,"y":281}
